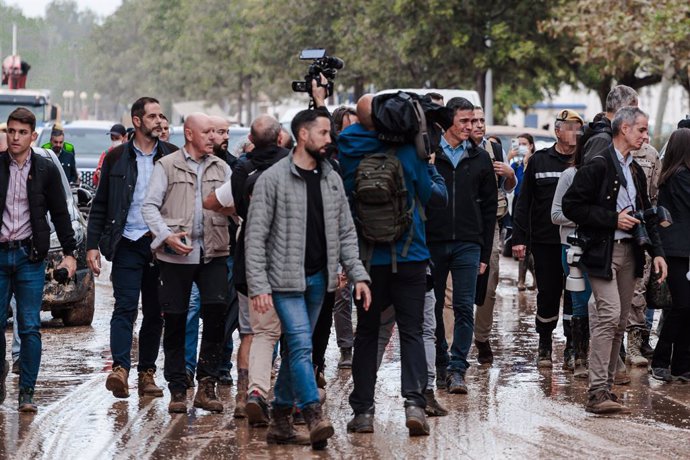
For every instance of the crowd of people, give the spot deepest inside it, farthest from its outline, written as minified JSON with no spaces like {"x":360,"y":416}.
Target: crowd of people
{"x":281,"y":241}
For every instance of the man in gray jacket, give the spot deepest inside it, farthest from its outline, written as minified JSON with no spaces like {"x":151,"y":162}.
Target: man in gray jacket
{"x":299,"y":228}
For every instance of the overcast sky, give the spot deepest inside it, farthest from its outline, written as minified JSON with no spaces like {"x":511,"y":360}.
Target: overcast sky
{"x":35,"y":8}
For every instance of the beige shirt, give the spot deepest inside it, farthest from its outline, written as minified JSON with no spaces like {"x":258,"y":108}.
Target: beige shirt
{"x":16,"y":222}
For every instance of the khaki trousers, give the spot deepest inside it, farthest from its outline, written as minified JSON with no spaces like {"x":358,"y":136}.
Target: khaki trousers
{"x":267,"y":330}
{"x":484,"y":314}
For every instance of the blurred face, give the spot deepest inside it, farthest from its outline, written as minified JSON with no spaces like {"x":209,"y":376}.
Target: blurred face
{"x":116,"y":139}
{"x":461,"y":129}
{"x":316,"y":137}
{"x":165,"y":131}
{"x":524,"y":147}
{"x":478,"y":126}
{"x":637,"y":134}
{"x":56,"y":143}
{"x":151,"y":124}
{"x":567,"y":134}
{"x":19,"y":137}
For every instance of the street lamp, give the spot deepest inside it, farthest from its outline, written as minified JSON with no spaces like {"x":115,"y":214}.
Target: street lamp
{"x":96,"y":99}
{"x":83,"y":96}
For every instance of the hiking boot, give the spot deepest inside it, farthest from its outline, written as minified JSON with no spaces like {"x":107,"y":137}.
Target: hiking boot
{"x":645,"y":348}
{"x":26,"y":401}
{"x":15,"y":366}
{"x":178,"y":403}
{"x":320,"y":428}
{"x":484,"y":353}
{"x":544,"y":359}
{"x":415,"y":421}
{"x":224,"y":378}
{"x":147,"y":385}
{"x":257,"y":410}
{"x":634,"y":356}
{"x":361,"y":423}
{"x":441,"y":377}
{"x":280,"y":429}
{"x":456,"y":384}
{"x":117,"y":382}
{"x":240,"y":405}
{"x":621,"y":377}
{"x":189,"y":378}
{"x":661,"y":373}
{"x":580,"y":331}
{"x":433,"y":407}
{"x":3,"y":385}
{"x":345,"y":361}
{"x":206,"y":397}
{"x":569,"y":361}
{"x":602,"y":403}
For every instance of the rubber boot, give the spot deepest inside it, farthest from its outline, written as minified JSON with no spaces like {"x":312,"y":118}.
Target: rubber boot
{"x":569,"y":351}
{"x":634,"y":356}
{"x":544,"y":356}
{"x":580,"y":330}
{"x":241,"y":397}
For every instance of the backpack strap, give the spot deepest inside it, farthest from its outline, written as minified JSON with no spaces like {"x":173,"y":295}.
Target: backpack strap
{"x":422,"y":141}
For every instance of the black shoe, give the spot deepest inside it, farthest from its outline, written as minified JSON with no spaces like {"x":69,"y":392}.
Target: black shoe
{"x":415,"y":421}
{"x":257,"y":410}
{"x":661,"y":373}
{"x":15,"y":366}
{"x":189,"y":378}
{"x":224,"y":378}
{"x":484,"y":353}
{"x":361,"y":423}
{"x":3,"y":386}
{"x":544,"y":359}
{"x":456,"y":383}
{"x":345,"y":358}
{"x":684,"y":377}
{"x":646,"y":349}
{"x":433,"y":407}
{"x":441,"y":377}
{"x":26,"y":401}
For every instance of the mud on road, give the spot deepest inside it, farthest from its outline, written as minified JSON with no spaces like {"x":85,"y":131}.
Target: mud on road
{"x":512,"y":409}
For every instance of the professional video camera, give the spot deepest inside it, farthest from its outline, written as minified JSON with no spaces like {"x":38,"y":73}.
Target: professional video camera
{"x":575,"y":282}
{"x":321,"y":64}
{"x":656,"y":215}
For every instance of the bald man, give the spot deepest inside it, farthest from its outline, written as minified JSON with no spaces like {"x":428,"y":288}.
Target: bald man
{"x":191,"y":246}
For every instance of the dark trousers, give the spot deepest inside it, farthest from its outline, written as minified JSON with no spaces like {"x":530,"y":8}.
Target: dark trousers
{"x":548,"y":270}
{"x":674,"y":337}
{"x":175,"y":288}
{"x":133,"y":272}
{"x":405,"y":290}
{"x":322,"y":332}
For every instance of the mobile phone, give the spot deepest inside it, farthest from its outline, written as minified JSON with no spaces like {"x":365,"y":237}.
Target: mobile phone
{"x":168,"y":250}
{"x":514,"y":144}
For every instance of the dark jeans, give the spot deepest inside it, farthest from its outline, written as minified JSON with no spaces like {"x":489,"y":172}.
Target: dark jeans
{"x":548,"y":270}
{"x":25,"y":279}
{"x":175,"y":287}
{"x":461,"y":260}
{"x":322,"y":332}
{"x":673,"y":348}
{"x":405,"y":290}
{"x":133,"y":272}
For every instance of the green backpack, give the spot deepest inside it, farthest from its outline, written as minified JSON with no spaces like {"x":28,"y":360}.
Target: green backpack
{"x":381,"y":206}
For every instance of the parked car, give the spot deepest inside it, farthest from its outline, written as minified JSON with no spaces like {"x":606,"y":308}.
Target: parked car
{"x":73,"y":302}
{"x":237,"y":135}
{"x":542,"y":138}
{"x":90,"y":139}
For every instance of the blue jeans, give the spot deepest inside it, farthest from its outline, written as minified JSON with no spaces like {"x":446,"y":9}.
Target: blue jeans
{"x":461,"y":260}
{"x":26,"y":279}
{"x":298,"y":313}
{"x":580,"y":299}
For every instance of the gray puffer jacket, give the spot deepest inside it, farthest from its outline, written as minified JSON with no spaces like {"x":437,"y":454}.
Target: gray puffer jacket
{"x":277,"y":229}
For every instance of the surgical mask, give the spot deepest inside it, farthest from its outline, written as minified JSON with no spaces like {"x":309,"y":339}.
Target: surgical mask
{"x":522,"y":150}
{"x":114,"y":144}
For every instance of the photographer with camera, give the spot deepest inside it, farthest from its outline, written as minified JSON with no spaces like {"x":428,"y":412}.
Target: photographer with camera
{"x":607,"y":200}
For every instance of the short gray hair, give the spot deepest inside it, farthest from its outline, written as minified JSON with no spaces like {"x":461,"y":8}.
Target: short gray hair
{"x":627,"y":115}
{"x":620,"y":96}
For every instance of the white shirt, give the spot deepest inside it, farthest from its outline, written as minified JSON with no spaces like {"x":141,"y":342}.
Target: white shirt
{"x":224,"y":195}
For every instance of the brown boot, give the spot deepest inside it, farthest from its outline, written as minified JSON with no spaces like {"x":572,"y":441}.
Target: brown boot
{"x":241,"y":397}
{"x":117,"y":382}
{"x":320,"y":428}
{"x":147,"y":384}
{"x":281,"y":430}
{"x":206,"y":397}
{"x":178,"y":403}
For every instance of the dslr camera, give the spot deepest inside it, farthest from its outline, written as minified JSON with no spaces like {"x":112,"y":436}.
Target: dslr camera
{"x":575,"y":282}
{"x":656,"y":215}
{"x":321,"y":64}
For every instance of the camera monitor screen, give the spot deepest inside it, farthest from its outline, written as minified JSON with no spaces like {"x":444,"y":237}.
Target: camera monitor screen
{"x":312,"y":53}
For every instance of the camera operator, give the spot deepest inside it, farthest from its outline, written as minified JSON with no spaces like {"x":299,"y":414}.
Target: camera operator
{"x":606,"y":198}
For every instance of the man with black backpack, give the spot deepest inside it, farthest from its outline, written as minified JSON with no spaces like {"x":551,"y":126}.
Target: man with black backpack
{"x":460,"y":238}
{"x":389,"y":188}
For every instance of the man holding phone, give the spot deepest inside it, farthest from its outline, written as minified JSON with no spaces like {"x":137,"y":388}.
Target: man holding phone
{"x":191,"y":245}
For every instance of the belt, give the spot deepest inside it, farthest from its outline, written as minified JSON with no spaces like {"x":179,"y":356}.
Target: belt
{"x":624,"y":241}
{"x":15,"y":244}
{"x":145,"y":235}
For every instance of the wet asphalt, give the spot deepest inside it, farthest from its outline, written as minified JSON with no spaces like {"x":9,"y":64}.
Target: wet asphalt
{"x":512,"y":410}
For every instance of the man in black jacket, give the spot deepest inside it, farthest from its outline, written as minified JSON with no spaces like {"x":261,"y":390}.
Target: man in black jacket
{"x":598,"y":133}
{"x":30,"y":187}
{"x":460,"y":238}
{"x":605,"y":199}
{"x":117,"y":227}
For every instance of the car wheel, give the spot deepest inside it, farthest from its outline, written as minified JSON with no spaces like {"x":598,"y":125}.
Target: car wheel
{"x":81,"y":313}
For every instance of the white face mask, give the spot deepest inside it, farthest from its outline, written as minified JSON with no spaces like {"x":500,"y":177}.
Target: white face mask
{"x":116,"y":143}
{"x":522,"y":150}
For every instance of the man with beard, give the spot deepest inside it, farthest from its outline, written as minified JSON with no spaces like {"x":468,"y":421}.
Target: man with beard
{"x":64,"y":151}
{"x":299,"y":229}
{"x":117,"y":227}
{"x":191,"y":245}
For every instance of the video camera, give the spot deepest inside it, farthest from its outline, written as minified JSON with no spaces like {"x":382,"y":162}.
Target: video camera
{"x":321,"y":64}
{"x":575,"y":282}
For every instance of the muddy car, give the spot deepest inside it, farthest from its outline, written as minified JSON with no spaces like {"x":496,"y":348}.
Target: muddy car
{"x":73,"y":301}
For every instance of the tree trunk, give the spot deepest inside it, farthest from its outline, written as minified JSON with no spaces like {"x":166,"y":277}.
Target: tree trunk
{"x":239,"y":99}
{"x":666,"y":80}
{"x":359,"y":88}
{"x":249,"y":99}
{"x":480,"y":84}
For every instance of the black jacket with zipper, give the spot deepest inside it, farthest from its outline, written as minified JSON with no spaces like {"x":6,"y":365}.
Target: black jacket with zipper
{"x":114,"y":196}
{"x":591,"y":201}
{"x":472,"y":199}
{"x":45,"y":193}
{"x":532,"y":216}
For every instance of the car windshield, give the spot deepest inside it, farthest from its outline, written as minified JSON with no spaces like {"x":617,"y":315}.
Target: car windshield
{"x":38,"y":111}
{"x":86,"y":141}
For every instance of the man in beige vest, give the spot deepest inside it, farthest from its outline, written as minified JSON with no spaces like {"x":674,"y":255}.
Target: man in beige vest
{"x":191,"y":245}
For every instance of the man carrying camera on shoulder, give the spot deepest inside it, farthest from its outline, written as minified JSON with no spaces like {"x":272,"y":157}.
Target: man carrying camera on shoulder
{"x":609,"y":203}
